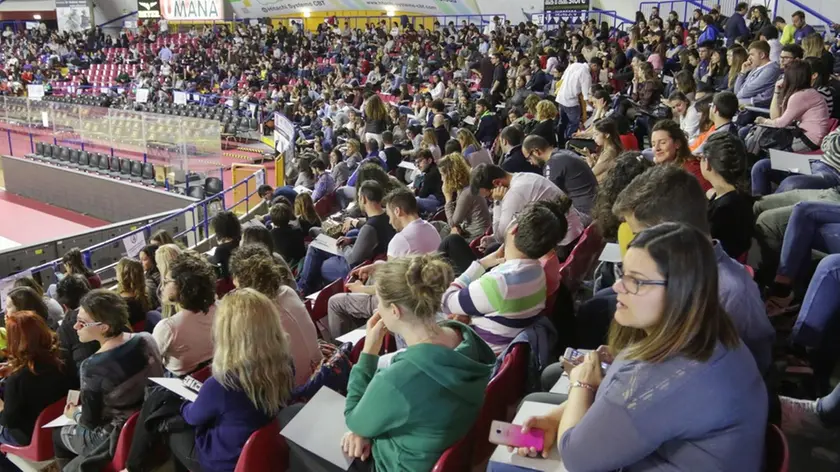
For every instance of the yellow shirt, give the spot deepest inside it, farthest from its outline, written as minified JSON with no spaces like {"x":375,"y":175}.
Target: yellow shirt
{"x":787,"y":35}
{"x":624,"y":237}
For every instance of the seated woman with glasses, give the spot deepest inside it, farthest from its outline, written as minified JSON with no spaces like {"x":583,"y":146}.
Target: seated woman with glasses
{"x":682,"y":389}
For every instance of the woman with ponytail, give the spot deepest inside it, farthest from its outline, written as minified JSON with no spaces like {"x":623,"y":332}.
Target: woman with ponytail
{"x":404,"y":416}
{"x":724,"y":165}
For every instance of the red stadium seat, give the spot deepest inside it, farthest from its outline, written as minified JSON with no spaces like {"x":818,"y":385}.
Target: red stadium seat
{"x":41,"y":447}
{"x":318,"y":307}
{"x":326,"y":205}
{"x":776,"y":450}
{"x":123,"y":445}
{"x":203,"y":373}
{"x":264,"y":451}
{"x":583,"y":258}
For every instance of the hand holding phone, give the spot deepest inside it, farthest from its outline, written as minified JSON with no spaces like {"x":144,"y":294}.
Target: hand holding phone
{"x":506,"y":434}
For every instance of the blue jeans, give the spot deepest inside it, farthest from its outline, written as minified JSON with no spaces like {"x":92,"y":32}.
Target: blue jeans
{"x":762,"y":175}
{"x":428,"y":204}
{"x":812,"y":225}
{"x":569,"y":121}
{"x":822,"y":302}
{"x":319,"y":267}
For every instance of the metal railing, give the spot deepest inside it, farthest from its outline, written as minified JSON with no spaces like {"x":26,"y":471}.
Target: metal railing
{"x":684,"y":7}
{"x":805,"y":8}
{"x":199,"y":213}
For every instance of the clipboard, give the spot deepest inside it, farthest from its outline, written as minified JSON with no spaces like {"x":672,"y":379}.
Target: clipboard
{"x":791,"y":162}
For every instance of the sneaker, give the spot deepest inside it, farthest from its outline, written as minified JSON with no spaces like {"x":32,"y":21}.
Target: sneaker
{"x":800,"y":417}
{"x":779,"y":305}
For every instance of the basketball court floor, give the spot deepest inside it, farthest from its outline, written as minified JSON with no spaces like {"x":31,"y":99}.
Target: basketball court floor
{"x":24,"y":221}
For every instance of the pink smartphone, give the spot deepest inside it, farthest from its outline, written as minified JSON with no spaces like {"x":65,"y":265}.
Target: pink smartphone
{"x":506,"y":434}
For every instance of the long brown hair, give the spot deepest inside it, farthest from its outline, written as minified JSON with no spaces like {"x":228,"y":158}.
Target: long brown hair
{"x":692,"y":321}
{"x":305,"y":209}
{"x":797,"y":78}
{"x":610,"y":128}
{"x":739,"y":57}
{"x":132,"y":281}
{"x":29,"y":340}
{"x":375,"y":109}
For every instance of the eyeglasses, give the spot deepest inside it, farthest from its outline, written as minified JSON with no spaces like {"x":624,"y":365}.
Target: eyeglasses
{"x":632,"y":285}
{"x":85,"y":324}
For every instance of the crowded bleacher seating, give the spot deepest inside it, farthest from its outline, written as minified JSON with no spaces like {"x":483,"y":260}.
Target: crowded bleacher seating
{"x":634,"y":224}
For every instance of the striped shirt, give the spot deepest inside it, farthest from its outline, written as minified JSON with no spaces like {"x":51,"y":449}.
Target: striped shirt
{"x":501,"y":302}
{"x":831,"y":149}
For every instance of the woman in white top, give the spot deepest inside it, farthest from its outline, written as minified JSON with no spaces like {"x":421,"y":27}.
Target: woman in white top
{"x":185,"y":340}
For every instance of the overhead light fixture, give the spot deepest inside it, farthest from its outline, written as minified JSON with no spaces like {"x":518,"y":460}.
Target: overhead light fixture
{"x":37,"y":17}
{"x":307,"y":13}
{"x":390,"y":10}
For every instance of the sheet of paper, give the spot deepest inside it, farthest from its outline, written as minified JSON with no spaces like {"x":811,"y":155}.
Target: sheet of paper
{"x":791,"y":161}
{"x":319,"y":426}
{"x":313,"y":296}
{"x":302,"y":189}
{"x":141,"y":95}
{"x":611,"y":253}
{"x":352,"y":337}
{"x":180,"y":98}
{"x":326,"y":243}
{"x":562,"y":385}
{"x":385,"y":359}
{"x":176,"y":386}
{"x":763,"y":111}
{"x":134,"y":244}
{"x":551,"y":464}
{"x":407,"y":165}
{"x":72,"y":397}
{"x":59,"y":422}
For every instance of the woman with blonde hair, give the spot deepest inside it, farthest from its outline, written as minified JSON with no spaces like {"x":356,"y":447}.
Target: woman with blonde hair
{"x":131,"y":285}
{"x":251,"y":383}
{"x":163,"y":259}
{"x":813,"y":45}
{"x":353,"y":154}
{"x":429,"y":142}
{"x":473,"y":152}
{"x":467,"y":214}
{"x":546,"y":115}
{"x":376,"y":119}
{"x":736,"y":56}
{"x":392,"y":424}
{"x":670,"y":345}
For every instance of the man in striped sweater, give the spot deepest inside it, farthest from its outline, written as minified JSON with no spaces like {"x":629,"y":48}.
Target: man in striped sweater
{"x":503,"y":293}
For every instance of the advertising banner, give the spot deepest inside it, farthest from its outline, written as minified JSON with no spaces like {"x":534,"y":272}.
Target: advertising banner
{"x":189,"y":10}
{"x":148,"y":9}
{"x":560,"y":5}
{"x":262,"y":8}
{"x":73,"y":15}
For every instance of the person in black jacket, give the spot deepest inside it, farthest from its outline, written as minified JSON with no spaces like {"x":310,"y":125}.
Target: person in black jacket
{"x":429,"y":185}
{"x":287,"y":239}
{"x":514,"y":160}
{"x":33,"y":376}
{"x":228,"y":232}
{"x":488,"y":124}
{"x":70,"y":291}
{"x":393,"y":157}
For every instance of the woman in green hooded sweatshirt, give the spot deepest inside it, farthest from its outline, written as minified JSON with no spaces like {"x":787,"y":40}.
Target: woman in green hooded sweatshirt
{"x":402,"y":417}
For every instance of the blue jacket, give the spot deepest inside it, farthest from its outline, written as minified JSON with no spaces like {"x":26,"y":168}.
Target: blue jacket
{"x":709,"y":34}
{"x":756,"y":87}
{"x":541,"y":338}
{"x":736,"y":27}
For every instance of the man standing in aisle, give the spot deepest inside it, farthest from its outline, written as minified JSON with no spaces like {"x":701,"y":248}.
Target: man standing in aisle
{"x":576,"y":82}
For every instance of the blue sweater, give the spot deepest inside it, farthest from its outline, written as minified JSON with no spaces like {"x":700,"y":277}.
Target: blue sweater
{"x":675,"y":415}
{"x":756,"y":87}
{"x":223,"y":420}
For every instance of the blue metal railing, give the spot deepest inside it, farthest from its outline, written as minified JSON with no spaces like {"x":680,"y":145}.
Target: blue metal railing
{"x":805,"y":8}
{"x":201,"y":227}
{"x":686,"y":7}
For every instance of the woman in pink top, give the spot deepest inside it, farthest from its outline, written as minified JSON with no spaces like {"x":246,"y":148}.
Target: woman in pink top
{"x":799,"y":120}
{"x":254,"y":267}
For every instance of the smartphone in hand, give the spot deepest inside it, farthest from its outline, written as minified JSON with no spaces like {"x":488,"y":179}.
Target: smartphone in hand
{"x":506,"y":434}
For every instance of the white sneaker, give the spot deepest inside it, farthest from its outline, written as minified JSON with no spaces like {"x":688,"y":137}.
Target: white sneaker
{"x":799,"y":417}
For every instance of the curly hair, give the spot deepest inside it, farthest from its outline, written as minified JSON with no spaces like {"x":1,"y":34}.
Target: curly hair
{"x":253,"y":266}
{"x":196,"y":281}
{"x":546,"y":110}
{"x":628,"y":165}
{"x":455,"y":172}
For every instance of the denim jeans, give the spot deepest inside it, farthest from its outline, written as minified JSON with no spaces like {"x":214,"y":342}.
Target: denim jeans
{"x":813,"y":225}
{"x":762,"y":175}
{"x":319,"y":267}
{"x":428,"y":204}
{"x":569,"y":121}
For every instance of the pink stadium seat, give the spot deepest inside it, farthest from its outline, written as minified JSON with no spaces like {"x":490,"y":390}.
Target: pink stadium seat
{"x":41,"y":447}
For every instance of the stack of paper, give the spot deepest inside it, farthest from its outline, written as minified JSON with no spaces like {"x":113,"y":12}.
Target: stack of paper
{"x":326,"y":243}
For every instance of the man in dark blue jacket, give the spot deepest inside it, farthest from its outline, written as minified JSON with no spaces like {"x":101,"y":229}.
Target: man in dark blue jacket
{"x":736,"y":25}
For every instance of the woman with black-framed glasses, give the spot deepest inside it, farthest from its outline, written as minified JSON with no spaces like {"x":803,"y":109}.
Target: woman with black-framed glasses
{"x":682,"y":389}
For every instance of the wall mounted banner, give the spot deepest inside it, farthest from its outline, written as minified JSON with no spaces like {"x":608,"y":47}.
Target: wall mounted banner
{"x":186,"y":10}
{"x":557,"y":5}
{"x":72,"y":15}
{"x":263,"y":8}
{"x":148,"y":9}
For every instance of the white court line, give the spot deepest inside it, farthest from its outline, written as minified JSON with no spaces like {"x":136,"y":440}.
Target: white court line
{"x":7,"y":243}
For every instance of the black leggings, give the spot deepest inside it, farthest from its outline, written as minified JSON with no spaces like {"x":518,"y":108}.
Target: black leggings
{"x":455,"y":248}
